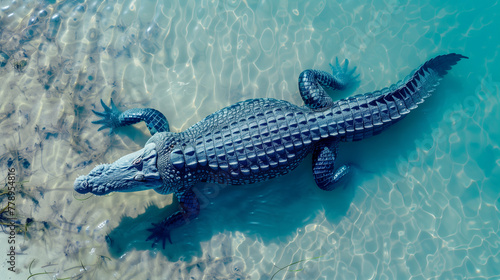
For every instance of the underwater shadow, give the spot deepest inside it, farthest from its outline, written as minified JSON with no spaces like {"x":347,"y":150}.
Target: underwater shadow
{"x":270,"y":212}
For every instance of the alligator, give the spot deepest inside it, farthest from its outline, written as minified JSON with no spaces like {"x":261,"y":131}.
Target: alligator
{"x":257,"y":139}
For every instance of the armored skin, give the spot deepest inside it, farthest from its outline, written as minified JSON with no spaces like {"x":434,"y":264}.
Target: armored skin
{"x":258,"y":139}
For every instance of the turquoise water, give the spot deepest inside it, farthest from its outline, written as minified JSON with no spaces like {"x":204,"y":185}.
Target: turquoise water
{"x":423,"y":201}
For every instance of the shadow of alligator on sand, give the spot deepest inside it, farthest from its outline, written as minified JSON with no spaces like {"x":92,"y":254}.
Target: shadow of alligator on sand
{"x":271,"y":211}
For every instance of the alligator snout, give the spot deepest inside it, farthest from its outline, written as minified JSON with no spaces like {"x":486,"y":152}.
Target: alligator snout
{"x":81,"y":185}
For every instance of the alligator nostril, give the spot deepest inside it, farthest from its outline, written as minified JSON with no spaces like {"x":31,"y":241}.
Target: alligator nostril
{"x":81,"y":185}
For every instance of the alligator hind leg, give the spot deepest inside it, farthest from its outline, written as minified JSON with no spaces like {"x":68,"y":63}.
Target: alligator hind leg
{"x":323,"y":166}
{"x":113,"y":118}
{"x":342,"y":75}
{"x":313,"y":82}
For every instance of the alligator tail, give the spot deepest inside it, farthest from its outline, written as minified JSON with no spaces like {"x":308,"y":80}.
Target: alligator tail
{"x":389,"y":105}
{"x":422,"y":82}
{"x":407,"y":94}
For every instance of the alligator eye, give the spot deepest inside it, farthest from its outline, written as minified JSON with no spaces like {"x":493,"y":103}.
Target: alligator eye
{"x":137,"y":161}
{"x":139,"y":177}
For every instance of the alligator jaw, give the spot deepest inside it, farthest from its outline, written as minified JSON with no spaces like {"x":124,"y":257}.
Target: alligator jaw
{"x":94,"y":182}
{"x":133,"y":172}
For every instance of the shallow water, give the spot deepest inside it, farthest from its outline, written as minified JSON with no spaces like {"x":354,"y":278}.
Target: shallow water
{"x":423,"y":199}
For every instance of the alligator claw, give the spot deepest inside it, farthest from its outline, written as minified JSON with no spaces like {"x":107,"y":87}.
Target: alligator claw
{"x":342,"y":74}
{"x":159,"y":232}
{"x":109,"y":117}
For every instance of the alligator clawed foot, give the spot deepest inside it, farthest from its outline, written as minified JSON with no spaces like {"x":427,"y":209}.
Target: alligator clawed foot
{"x":159,"y":232}
{"x":342,"y":74}
{"x":109,"y":117}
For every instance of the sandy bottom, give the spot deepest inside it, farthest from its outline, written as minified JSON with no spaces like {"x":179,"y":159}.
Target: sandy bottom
{"x":423,"y":199}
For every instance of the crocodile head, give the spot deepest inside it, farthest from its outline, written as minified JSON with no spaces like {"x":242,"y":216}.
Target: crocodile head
{"x":133,"y":172}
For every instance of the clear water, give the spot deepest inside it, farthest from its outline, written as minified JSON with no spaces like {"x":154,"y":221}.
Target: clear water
{"x":423,"y":201}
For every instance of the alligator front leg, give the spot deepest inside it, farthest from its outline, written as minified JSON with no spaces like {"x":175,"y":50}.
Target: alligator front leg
{"x":190,"y":209}
{"x":312,"y":82}
{"x":323,"y":165}
{"x":113,"y":118}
